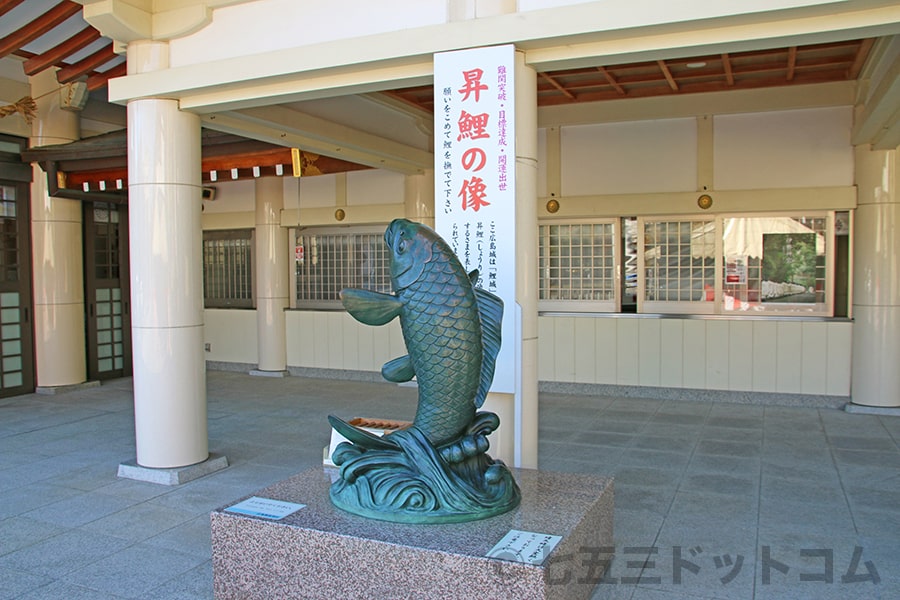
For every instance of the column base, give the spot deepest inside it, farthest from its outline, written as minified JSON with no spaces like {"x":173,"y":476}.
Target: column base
{"x":888,"y":411}
{"x":261,"y":373}
{"x":52,"y":390}
{"x":174,"y":476}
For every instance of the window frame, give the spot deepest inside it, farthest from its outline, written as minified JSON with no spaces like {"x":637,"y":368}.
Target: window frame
{"x":820,"y":309}
{"x":295,"y":301}
{"x":683,"y":307}
{"x":248,"y":234}
{"x":612,"y":305}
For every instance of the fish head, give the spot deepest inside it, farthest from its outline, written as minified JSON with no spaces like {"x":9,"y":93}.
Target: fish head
{"x":411,"y":246}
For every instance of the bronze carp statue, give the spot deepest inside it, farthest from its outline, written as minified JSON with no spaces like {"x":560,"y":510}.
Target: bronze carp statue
{"x":437,"y":470}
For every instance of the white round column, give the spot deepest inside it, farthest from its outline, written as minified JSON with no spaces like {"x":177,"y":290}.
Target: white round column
{"x":875,"y":376}
{"x":418,"y":197}
{"x":526,"y":260}
{"x":272,"y":277}
{"x":57,"y":263}
{"x":164,"y":195}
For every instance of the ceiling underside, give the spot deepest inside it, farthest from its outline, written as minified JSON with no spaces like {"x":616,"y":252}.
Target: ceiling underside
{"x":45,"y":34}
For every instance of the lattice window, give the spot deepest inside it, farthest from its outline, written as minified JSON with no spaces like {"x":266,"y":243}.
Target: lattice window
{"x":679,"y":258}
{"x":328,"y":261}
{"x":577,"y":263}
{"x":228,"y":268}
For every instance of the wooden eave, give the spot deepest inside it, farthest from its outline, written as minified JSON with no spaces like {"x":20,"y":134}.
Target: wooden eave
{"x":100,"y":163}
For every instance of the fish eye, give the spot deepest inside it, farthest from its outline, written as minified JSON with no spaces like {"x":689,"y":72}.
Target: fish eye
{"x":401,"y":246}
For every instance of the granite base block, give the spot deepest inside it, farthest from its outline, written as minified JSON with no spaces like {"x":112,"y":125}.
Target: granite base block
{"x":323,"y":552}
{"x":174,"y":476}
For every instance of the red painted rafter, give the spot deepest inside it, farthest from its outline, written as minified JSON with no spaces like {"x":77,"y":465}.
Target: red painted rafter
{"x":668,"y":74}
{"x":86,"y":65}
{"x":792,"y":63}
{"x":99,"y":80}
{"x":8,"y":5}
{"x":559,"y":87}
{"x":55,"y":55}
{"x":612,"y":80}
{"x":38,"y":27}
{"x":726,"y":65}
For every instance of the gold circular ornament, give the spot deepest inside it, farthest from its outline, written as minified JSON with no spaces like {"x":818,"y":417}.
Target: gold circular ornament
{"x":339,"y":214}
{"x":704,"y":201}
{"x":552,"y":206}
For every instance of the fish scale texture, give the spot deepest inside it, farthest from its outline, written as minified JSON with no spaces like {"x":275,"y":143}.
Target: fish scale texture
{"x":442,"y":331}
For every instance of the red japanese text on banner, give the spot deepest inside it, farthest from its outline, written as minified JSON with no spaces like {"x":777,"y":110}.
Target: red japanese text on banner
{"x":474,"y":173}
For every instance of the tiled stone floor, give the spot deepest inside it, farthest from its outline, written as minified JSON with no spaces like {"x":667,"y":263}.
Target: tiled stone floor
{"x":713,"y":500}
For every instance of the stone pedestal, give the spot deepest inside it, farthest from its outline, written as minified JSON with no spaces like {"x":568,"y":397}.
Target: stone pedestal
{"x":323,"y":552}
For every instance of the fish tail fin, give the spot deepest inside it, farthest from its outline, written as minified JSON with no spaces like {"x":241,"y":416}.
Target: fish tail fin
{"x":490,"y":310}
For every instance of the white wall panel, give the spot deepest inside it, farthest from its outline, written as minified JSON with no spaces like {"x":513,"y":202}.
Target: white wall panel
{"x":606,"y":342}
{"x":231,"y":196}
{"x":717,"y":355}
{"x":740,"y":355}
{"x":765,"y":356}
{"x":334,"y":340}
{"x":649,"y":339}
{"x":564,"y":355}
{"x":542,"y":163}
{"x":375,"y":186}
{"x":350,"y":337}
{"x":671,"y":370}
{"x":366,"y":344}
{"x":789,"y":350}
{"x":584,"y":351}
{"x":625,"y":158}
{"x":837,"y":369}
{"x":814,"y":359}
{"x":337,"y":354}
{"x":628,"y":355}
{"x":315,"y":192}
{"x":784,"y":149}
{"x":694,"y":359}
{"x":227,"y":332}
{"x":762,"y":356}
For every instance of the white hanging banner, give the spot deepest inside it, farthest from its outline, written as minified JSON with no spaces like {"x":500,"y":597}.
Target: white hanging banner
{"x":475,"y":174}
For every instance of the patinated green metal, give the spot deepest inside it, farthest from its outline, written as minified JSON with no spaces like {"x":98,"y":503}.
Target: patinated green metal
{"x":438,"y":470}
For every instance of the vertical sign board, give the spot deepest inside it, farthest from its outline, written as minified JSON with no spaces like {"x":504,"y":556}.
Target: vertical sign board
{"x":474,"y":177}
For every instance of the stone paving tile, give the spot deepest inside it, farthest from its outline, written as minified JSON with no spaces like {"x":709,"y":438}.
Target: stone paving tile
{"x":135,"y":571}
{"x":79,"y":510}
{"x":62,"y":554}
{"x":61,"y":590}
{"x":196,"y":584}
{"x":14,"y":583}
{"x":723,"y":480}
{"x":19,"y":532}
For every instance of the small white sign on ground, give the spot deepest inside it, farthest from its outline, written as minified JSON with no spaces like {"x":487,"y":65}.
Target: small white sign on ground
{"x":525,"y":547}
{"x":265,"y":508}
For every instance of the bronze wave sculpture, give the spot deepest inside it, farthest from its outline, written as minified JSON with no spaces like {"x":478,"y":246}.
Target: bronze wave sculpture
{"x":437,"y":470}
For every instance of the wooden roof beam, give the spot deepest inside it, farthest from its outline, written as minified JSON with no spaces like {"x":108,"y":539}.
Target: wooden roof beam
{"x":86,"y":65}
{"x":8,"y":5}
{"x":792,"y":63}
{"x":726,"y":65}
{"x":861,"y":55}
{"x":556,"y":84}
{"x":53,"y":56}
{"x":38,"y":27}
{"x":668,"y":74}
{"x":99,"y":80}
{"x":612,"y":80}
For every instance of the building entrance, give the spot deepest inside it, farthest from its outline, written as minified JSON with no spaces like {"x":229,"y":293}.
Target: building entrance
{"x":106,"y":288}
